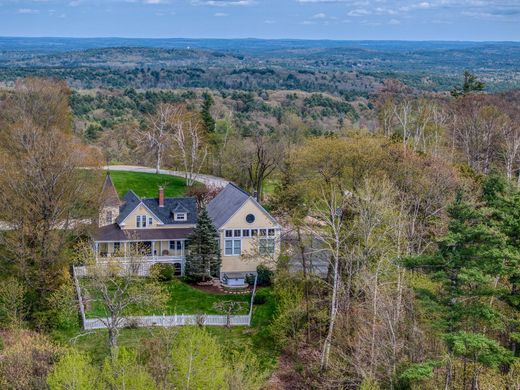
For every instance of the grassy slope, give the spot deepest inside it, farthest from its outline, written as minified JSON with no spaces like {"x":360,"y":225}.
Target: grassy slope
{"x":184,"y":299}
{"x":256,"y":337}
{"x":147,"y":184}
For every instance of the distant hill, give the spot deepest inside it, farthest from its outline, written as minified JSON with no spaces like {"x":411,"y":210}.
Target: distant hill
{"x":248,"y":64}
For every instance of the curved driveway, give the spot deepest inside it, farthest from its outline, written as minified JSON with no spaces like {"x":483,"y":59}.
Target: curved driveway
{"x":209,"y":180}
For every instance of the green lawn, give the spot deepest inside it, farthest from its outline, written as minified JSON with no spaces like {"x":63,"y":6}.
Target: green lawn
{"x":257,"y":337}
{"x":146,"y":185}
{"x":184,"y":299}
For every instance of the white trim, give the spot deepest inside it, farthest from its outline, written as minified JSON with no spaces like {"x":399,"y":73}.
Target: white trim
{"x":160,"y":222}
{"x":269,"y":216}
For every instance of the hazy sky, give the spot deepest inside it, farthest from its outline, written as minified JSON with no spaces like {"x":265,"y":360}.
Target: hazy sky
{"x":330,"y":19}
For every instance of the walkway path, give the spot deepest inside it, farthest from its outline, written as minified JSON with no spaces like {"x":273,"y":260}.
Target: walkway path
{"x":209,"y":180}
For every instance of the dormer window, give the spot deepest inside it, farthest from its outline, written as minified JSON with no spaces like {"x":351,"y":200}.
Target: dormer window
{"x":109,"y":216}
{"x":180,"y":216}
{"x":140,"y":221}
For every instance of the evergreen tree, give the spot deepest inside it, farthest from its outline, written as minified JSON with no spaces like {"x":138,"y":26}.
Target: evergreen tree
{"x":203,"y":253}
{"x":207,"y":119}
{"x":469,"y":261}
{"x":471,"y":84}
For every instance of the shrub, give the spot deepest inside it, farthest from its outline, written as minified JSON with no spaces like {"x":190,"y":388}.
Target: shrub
{"x":163,"y":272}
{"x":265,"y":275}
{"x":12,"y":306}
{"x":260,"y":299}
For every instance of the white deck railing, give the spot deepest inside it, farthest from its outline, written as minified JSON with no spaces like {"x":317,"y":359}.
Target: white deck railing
{"x":142,"y":267}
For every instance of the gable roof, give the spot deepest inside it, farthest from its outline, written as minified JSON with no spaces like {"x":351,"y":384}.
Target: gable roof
{"x":171,"y":205}
{"x":163,"y":214}
{"x":109,"y":193}
{"x":228,"y":202}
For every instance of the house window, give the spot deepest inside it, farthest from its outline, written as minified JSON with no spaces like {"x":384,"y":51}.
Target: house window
{"x":270,"y":232}
{"x":245,"y":233}
{"x":180,"y":216}
{"x":232,"y":247}
{"x":228,"y":248}
{"x":237,"y":247}
{"x":254,"y":232}
{"x":263,"y":232}
{"x":229,"y":233}
{"x":237,"y":233}
{"x":140,"y":221}
{"x":179,"y":245}
{"x":266,"y":246}
{"x":172,"y":245}
{"x":110,"y":217}
{"x":117,"y":246}
{"x":150,"y":221}
{"x":250,"y":218}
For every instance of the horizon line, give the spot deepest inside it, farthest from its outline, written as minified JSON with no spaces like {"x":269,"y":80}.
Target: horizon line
{"x":260,"y":39}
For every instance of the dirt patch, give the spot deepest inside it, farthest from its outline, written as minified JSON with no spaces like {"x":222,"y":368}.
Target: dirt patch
{"x":295,"y":370}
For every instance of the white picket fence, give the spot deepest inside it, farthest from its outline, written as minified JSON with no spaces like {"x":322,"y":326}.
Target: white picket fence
{"x":170,"y":321}
{"x":161,"y":320}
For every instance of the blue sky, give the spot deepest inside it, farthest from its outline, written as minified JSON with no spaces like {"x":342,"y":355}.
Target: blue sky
{"x":312,"y":19}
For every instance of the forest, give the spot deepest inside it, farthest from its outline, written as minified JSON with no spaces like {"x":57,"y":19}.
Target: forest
{"x":409,"y":197}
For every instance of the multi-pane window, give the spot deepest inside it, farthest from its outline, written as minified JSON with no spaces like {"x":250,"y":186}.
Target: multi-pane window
{"x":254,"y":232}
{"x":140,"y":221}
{"x":117,"y":246}
{"x":270,"y":232}
{"x":237,"y":233}
{"x":229,"y":233}
{"x":150,"y":221}
{"x":110,"y":218}
{"x":228,"y":249}
{"x":263,"y":232}
{"x":245,"y":233}
{"x":233,"y":247}
{"x":180,"y":216}
{"x":266,"y":246}
{"x":176,"y":244}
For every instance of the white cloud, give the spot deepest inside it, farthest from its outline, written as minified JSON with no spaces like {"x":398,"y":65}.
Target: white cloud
{"x":223,"y":3}
{"x":359,"y":12}
{"x":220,"y":14}
{"x":320,"y":15}
{"x":394,"y":21}
{"x":28,"y":11}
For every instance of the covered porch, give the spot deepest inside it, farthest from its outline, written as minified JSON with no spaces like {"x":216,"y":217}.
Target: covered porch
{"x":151,"y":252}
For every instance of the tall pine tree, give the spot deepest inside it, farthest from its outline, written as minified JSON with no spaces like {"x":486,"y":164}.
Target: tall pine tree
{"x":470,"y":260}
{"x":203,"y":253}
{"x":207,"y":119}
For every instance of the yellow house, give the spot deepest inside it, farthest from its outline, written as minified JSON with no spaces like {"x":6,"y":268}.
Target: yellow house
{"x":159,"y":227}
{"x":249,"y":235}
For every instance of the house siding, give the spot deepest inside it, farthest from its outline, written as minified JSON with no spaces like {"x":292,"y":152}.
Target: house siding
{"x":249,"y":259}
{"x":129,"y":222}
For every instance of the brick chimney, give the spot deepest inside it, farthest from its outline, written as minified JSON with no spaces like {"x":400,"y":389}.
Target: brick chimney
{"x":161,"y":196}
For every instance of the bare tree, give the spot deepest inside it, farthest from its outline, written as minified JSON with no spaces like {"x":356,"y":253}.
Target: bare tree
{"x":117,"y":288}
{"x":43,"y":194}
{"x":188,"y":147}
{"x":229,"y":308}
{"x":328,"y":212}
{"x":157,"y":135}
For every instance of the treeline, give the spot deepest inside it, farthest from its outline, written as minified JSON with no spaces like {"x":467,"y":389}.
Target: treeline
{"x":405,"y":242}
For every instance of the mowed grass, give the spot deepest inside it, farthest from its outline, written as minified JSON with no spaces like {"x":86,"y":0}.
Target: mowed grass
{"x":146,"y":185}
{"x":257,"y":337}
{"x":183,"y":299}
